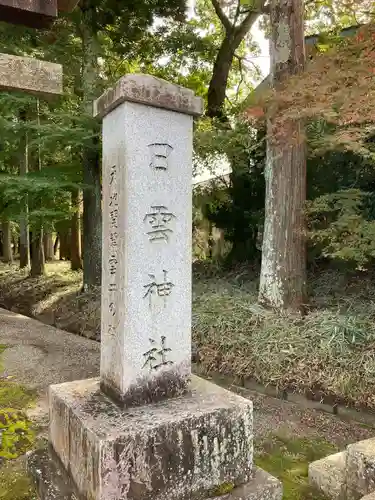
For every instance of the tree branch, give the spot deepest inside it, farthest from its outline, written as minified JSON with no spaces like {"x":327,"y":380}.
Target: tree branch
{"x":221,"y":15}
{"x":250,"y":19}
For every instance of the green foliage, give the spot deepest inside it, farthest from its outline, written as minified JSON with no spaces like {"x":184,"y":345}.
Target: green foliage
{"x":16,"y":434}
{"x":235,"y":205}
{"x":339,"y":228}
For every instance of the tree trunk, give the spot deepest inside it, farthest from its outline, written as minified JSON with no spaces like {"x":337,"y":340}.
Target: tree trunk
{"x":7,"y":242}
{"x":283,"y":272}
{"x":37,"y":257}
{"x":234,"y":35}
{"x":92,"y":210}
{"x":56,"y":245}
{"x":24,"y":217}
{"x":218,"y":84}
{"x":48,"y":246}
{"x":64,"y":238}
{"x":75,"y":250}
{"x":37,"y":254}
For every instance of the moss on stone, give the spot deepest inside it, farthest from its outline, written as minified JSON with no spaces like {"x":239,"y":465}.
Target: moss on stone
{"x":288,"y":458}
{"x":222,"y":489}
{"x":13,"y":395}
{"x":15,"y":483}
{"x":17,"y":435}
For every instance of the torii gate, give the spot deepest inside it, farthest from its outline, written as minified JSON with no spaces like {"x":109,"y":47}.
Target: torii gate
{"x":25,"y":73}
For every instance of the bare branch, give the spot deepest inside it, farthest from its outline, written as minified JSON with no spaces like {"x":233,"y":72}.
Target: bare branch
{"x":241,"y":80}
{"x":221,"y":15}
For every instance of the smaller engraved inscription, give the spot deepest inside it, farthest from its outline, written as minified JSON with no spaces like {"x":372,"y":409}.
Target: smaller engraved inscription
{"x":112,"y":175}
{"x":112,"y":308}
{"x":159,"y":155}
{"x":156,"y":357}
{"x":113,"y":264}
{"x":113,"y":238}
{"x":159,"y":218}
{"x":155,"y":289}
{"x":113,"y":218}
{"x":113,"y":200}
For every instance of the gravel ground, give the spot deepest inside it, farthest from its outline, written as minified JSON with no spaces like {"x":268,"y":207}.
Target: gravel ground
{"x":39,"y":355}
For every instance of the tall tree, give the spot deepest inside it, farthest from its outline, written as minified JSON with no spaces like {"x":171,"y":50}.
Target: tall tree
{"x":237,"y":18}
{"x":283,"y":271}
{"x":7,"y":242}
{"x":123,"y":22}
{"x":24,"y":209}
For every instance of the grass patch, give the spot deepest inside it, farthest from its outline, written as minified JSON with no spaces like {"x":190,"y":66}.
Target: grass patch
{"x":288,"y":460}
{"x":14,"y":482}
{"x":15,"y":396}
{"x":330,"y":352}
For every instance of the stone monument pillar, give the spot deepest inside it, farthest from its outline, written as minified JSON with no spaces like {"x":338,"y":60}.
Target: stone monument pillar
{"x":148,"y":429}
{"x":147,"y":228}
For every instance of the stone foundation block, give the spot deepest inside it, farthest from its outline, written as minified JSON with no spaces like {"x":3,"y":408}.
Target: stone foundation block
{"x":262,"y":486}
{"x":179,"y":449}
{"x":360,"y":469}
{"x":53,"y":483}
{"x":328,"y":476}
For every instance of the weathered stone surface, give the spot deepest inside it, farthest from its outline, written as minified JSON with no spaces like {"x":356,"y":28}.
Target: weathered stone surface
{"x":178,"y":449}
{"x":32,"y":13}
{"x":360,"y":469}
{"x":328,"y":476}
{"x":53,"y":482}
{"x":30,"y":75}
{"x":262,"y":486}
{"x":371,"y":496}
{"x":146,"y":284}
{"x":151,"y":91}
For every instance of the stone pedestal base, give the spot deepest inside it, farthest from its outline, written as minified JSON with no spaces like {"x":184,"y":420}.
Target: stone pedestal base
{"x":53,"y":483}
{"x":196,"y":446}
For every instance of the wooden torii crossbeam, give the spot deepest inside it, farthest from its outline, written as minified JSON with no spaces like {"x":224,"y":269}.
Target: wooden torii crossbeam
{"x":24,"y":73}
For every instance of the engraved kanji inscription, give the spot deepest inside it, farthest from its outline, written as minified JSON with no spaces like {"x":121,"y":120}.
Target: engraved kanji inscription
{"x":113,"y":264}
{"x":159,"y":155}
{"x":113,"y":218}
{"x":113,"y":175}
{"x":113,"y":200}
{"x":159,"y":218}
{"x":112,"y":308}
{"x":113,"y":239}
{"x":156,"y":357}
{"x":162,"y":289}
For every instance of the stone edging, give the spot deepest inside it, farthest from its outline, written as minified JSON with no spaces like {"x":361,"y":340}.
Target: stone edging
{"x":242,"y":385}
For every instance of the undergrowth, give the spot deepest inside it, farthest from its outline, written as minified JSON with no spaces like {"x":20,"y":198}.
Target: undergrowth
{"x":17,"y":436}
{"x":331,"y":351}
